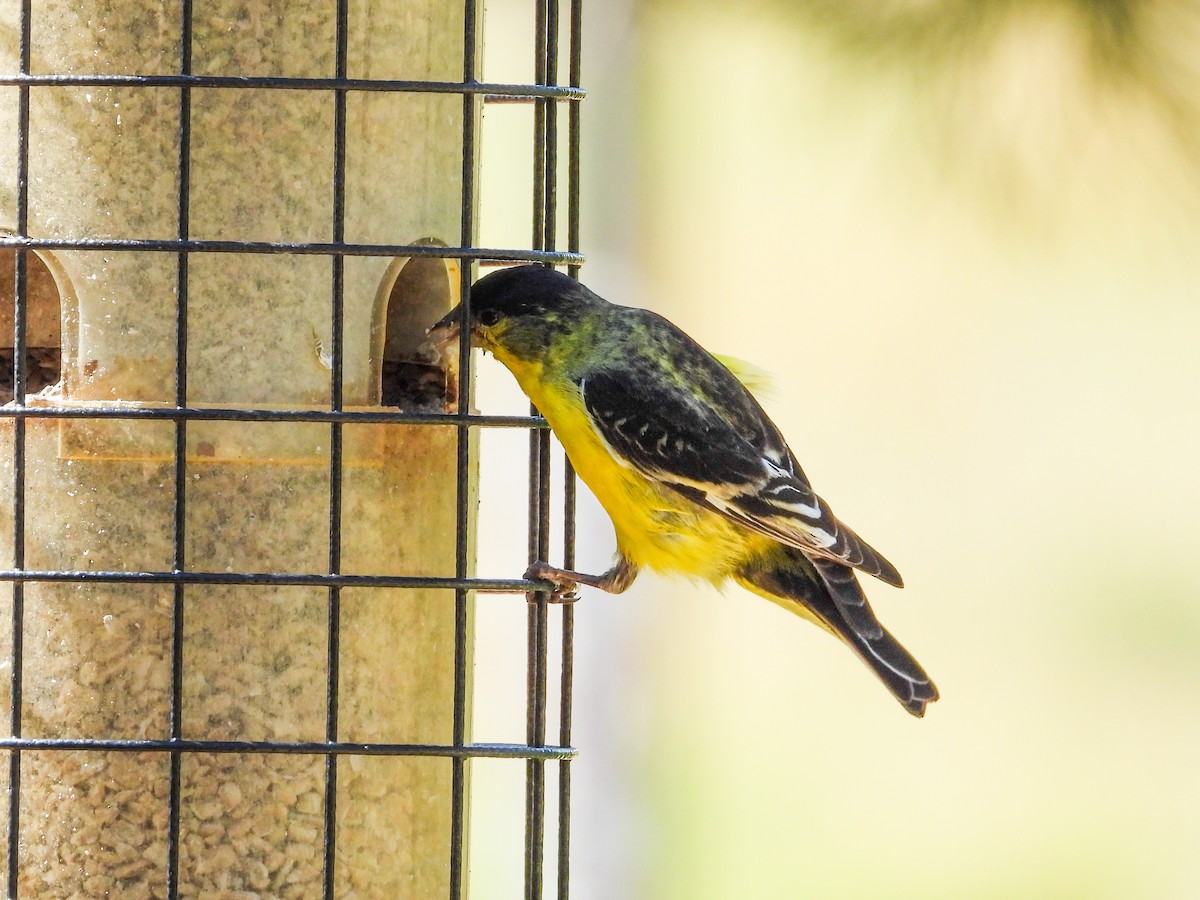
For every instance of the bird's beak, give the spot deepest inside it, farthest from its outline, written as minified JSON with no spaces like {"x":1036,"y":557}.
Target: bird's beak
{"x":443,"y":335}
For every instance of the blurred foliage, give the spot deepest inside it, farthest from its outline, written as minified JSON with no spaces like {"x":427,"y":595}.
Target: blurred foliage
{"x":1142,"y":42}
{"x":1036,"y":107}
{"x":1146,"y":47}
{"x":1116,"y":32}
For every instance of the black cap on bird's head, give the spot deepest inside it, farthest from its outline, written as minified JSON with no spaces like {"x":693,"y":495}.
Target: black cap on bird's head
{"x":520,"y":309}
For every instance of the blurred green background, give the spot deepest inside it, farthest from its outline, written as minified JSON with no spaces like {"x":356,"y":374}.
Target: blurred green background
{"x":963,"y":235}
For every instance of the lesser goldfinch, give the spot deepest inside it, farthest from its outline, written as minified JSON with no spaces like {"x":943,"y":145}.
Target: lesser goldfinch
{"x":696,"y":478}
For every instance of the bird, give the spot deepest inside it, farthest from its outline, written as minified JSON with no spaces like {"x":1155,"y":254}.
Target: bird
{"x":696,"y":478}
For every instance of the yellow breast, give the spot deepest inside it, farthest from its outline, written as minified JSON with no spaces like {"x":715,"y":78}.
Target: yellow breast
{"x":655,"y":526}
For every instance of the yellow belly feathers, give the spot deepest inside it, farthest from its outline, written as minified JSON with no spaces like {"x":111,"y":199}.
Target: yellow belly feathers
{"x":655,"y":526}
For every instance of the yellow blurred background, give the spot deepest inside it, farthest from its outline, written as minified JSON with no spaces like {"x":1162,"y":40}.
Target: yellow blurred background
{"x":963,"y":236}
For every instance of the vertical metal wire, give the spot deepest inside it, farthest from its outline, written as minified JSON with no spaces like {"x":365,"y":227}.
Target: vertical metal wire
{"x":567,"y":675}
{"x":539,"y":511}
{"x":545,"y":184}
{"x":333,"y":646}
{"x":574,"y":79}
{"x":535,"y":725}
{"x":463,"y":465}
{"x":21,"y":284}
{"x":549,"y":154}
{"x":179,"y":561}
{"x":549,"y":148}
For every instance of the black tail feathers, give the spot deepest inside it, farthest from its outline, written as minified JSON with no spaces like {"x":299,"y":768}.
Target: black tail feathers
{"x":830,"y":593}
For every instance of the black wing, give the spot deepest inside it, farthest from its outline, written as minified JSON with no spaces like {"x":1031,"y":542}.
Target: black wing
{"x":700,"y":432}
{"x":667,"y":434}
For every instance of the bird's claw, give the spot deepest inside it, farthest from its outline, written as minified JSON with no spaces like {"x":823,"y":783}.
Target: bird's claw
{"x":564,"y":588}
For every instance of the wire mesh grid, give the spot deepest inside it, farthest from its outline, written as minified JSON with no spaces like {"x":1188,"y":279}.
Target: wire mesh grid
{"x":181,"y":415}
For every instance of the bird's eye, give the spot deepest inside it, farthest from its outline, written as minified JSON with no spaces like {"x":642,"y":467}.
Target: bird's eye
{"x":489,"y":317}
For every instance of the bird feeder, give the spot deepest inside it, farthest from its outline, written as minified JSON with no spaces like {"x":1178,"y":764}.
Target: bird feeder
{"x":190,"y":177}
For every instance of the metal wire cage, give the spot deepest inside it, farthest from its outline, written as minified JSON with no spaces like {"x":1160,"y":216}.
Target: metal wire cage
{"x":175,"y":774}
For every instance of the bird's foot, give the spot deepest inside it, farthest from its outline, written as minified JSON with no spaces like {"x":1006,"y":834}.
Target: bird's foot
{"x":564,"y":582}
{"x":614,"y":581}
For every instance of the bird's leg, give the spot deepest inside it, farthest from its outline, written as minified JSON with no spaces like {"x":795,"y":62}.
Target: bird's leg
{"x":614,"y":581}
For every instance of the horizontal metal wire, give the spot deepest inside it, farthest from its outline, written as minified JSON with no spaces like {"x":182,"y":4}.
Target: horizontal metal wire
{"x":191,"y":413}
{"x":300,"y":579}
{"x":296,"y":248}
{"x":509,"y":92}
{"x":339,"y":748}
